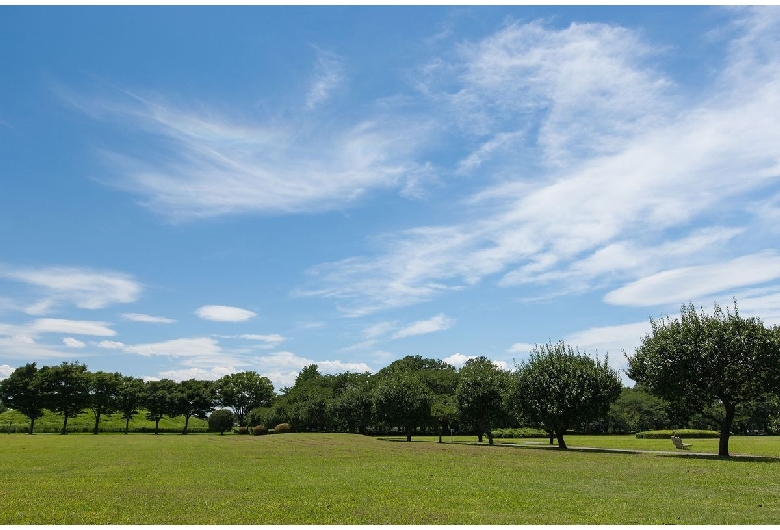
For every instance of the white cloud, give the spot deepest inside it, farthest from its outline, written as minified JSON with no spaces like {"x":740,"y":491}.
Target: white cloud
{"x":25,"y":348}
{"x":678,"y":286}
{"x":223,"y":313}
{"x":438,"y":323}
{"x":184,"y":374}
{"x":5,"y":371}
{"x":85,"y":288}
{"x":267,"y":341}
{"x":458,"y":359}
{"x":521,"y":348}
{"x":187,"y":347}
{"x":377,"y":330}
{"x":109,"y":344}
{"x":283,"y":367}
{"x":77,"y":327}
{"x":208,"y":163}
{"x":140,"y":317}
{"x":626,"y":177}
{"x":70,"y":342}
{"x":329,"y":76}
{"x":359,"y":346}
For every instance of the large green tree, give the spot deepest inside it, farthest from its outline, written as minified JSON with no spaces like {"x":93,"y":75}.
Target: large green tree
{"x":103,"y":387}
{"x":66,"y":390}
{"x":703,"y":360}
{"x":243,"y":391}
{"x":480,"y":395}
{"x":403,"y":399}
{"x":558,"y":387}
{"x":129,"y":397}
{"x":193,"y":397}
{"x":159,"y":400}
{"x":21,"y":391}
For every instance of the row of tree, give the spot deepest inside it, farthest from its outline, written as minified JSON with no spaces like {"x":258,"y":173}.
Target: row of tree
{"x":70,"y":389}
{"x":717,"y":368}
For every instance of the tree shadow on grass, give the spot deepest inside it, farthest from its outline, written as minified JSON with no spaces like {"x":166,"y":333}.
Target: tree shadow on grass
{"x":732,"y":458}
{"x":400,"y":440}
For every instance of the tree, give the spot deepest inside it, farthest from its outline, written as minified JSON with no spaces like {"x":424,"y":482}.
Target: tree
{"x":66,"y":390}
{"x":479,"y":395}
{"x":559,"y":387}
{"x":353,"y":406}
{"x":193,"y":398}
{"x":699,"y":361}
{"x":21,"y":391}
{"x":636,"y":410}
{"x":129,"y":396}
{"x":103,"y":389}
{"x":244,"y":391}
{"x":402,"y":399}
{"x":220,"y":421}
{"x":159,"y":399}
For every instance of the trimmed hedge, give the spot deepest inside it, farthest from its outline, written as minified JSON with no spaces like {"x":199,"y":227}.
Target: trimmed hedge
{"x":682,"y":433}
{"x":259,"y":430}
{"x":282,"y":427}
{"x":523,"y":432}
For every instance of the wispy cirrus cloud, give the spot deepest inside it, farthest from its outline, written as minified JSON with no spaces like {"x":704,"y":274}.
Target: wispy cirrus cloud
{"x":607,"y":173}
{"x":70,"y":342}
{"x":438,"y":323}
{"x":85,"y":288}
{"x":141,"y":317}
{"x":210,"y":163}
{"x":224,"y":313}
{"x":328,"y":76}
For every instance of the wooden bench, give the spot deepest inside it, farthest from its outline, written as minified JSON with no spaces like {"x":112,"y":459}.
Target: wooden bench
{"x":678,"y":443}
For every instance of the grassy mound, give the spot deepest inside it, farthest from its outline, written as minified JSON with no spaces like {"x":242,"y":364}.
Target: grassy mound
{"x":16,"y":422}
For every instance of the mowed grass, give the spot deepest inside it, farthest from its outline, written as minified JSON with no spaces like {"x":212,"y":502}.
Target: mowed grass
{"x":348,"y":479}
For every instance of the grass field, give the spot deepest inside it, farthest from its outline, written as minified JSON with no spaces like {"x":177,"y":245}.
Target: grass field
{"x":52,"y":423}
{"x":343,"y":479}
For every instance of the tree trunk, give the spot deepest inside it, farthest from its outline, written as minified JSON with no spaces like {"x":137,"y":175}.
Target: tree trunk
{"x":409,"y":433}
{"x":490,"y":437}
{"x":186,"y":423}
{"x":552,"y":437}
{"x":559,"y":436}
{"x":479,"y":437}
{"x":156,"y":425}
{"x":65,"y":425}
{"x":97,"y":422}
{"x":127,"y":424}
{"x":725,"y":431}
{"x":32,"y":425}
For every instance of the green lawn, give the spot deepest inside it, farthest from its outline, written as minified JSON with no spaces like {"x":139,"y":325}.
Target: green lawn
{"x":343,"y":479}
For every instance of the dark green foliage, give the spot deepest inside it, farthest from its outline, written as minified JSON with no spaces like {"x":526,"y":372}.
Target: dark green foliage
{"x":103,"y":394}
{"x":65,"y":390}
{"x":479,"y":395}
{"x":130,"y":395}
{"x":193,"y":398}
{"x":21,"y":391}
{"x":221,"y":420}
{"x":402,"y":399}
{"x":244,"y":391}
{"x":559,"y":387}
{"x":702,"y":363}
{"x":282,"y":428}
{"x":638,"y":410}
{"x":242,"y":430}
{"x":159,"y":400}
{"x":353,"y":407}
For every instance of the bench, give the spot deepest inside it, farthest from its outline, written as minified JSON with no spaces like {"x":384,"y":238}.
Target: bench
{"x":678,"y":443}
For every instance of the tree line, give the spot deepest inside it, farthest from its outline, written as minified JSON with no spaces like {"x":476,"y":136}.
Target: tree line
{"x":703,"y":370}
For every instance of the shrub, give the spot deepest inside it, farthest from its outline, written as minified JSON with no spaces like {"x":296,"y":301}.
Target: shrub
{"x":220,"y":421}
{"x":282,"y":427}
{"x":521,"y":432}
{"x":243,"y":430}
{"x":257,"y":430}
{"x":682,"y":433}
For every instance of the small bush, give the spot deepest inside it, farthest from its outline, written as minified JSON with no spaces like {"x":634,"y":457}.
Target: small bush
{"x":220,"y":421}
{"x":282,"y":427}
{"x":682,"y":433}
{"x":258,"y":430}
{"x":522,"y":432}
{"x":243,"y":430}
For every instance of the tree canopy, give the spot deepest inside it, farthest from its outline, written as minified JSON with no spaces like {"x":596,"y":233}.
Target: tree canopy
{"x":559,"y":387}
{"x":699,"y":361}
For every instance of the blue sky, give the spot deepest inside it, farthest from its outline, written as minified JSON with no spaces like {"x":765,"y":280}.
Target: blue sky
{"x":190,"y":192}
